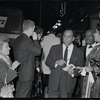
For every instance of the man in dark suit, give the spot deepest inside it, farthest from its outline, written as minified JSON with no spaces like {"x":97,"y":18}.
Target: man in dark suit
{"x":62,"y":81}
{"x":25,"y":50}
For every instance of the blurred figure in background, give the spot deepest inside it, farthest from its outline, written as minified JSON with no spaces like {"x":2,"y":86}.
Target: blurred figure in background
{"x":77,"y":40}
{"x":39,"y":32}
{"x":37,"y":83}
{"x":59,"y":35}
{"x":46,"y":43}
{"x":25,"y":51}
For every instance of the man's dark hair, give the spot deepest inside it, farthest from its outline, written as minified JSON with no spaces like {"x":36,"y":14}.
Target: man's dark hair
{"x":52,"y":31}
{"x":98,"y":27}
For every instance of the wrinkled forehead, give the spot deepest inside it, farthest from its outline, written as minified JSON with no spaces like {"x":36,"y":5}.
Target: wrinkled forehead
{"x":68,"y":32}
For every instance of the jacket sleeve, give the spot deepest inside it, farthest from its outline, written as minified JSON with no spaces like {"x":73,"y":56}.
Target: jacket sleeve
{"x":50,"y":61}
{"x":33,"y":47}
{"x":80,"y":63}
{"x":11,"y":74}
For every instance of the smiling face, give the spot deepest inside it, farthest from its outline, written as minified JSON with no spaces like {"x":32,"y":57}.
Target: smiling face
{"x":5,"y":49}
{"x":68,"y":37}
{"x":89,"y":38}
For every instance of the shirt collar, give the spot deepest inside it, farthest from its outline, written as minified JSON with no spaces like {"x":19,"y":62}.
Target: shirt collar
{"x":26,"y":34}
{"x":93,"y":45}
{"x":69,"y":47}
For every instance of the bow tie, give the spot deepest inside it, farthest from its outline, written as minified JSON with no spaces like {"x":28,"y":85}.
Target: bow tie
{"x":90,"y":46}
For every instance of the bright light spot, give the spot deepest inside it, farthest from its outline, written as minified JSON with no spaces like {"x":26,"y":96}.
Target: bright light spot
{"x":48,"y":32}
{"x":59,"y":20}
{"x":59,"y":24}
{"x":82,"y":20}
{"x":55,"y":26}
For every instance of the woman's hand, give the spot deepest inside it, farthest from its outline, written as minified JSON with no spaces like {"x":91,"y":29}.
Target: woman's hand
{"x":88,"y":69}
{"x":15,"y":65}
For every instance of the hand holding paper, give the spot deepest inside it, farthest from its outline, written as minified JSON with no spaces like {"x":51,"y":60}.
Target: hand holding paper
{"x":69,"y":67}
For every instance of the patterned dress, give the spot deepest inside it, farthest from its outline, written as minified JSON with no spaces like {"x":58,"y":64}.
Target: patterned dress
{"x":93,"y":60}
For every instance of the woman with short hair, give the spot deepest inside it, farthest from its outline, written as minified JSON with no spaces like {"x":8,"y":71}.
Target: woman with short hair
{"x":6,"y":66}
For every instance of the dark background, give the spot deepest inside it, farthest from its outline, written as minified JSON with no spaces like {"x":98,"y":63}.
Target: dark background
{"x":45,"y":13}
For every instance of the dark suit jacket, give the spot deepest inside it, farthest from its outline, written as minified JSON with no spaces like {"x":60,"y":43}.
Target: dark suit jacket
{"x":56,"y":53}
{"x":83,"y":48}
{"x":25,"y":51}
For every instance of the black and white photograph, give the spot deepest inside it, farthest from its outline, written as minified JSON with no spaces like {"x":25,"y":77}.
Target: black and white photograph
{"x":49,"y":49}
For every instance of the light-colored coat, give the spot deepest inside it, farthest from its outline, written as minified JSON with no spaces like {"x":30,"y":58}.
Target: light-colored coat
{"x":47,"y":42}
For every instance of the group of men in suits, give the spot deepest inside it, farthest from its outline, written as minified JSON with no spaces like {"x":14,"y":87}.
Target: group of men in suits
{"x":63,"y":60}
{"x":62,"y":81}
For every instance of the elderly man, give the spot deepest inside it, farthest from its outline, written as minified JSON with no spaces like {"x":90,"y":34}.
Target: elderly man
{"x":62,"y":81}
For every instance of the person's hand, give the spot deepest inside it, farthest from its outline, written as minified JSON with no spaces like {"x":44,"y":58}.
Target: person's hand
{"x":80,"y":69}
{"x":34,"y":36}
{"x":65,"y":68}
{"x":96,"y":69}
{"x":70,"y":66}
{"x":70,"y":71}
{"x":88,"y":69}
{"x":60,"y":62}
{"x":15,"y":65}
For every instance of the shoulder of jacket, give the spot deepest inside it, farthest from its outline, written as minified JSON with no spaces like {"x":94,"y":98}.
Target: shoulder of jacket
{"x":56,"y":45}
{"x":78,"y":49}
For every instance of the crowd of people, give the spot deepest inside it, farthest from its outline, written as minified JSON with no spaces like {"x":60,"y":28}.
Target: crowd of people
{"x":68,"y":69}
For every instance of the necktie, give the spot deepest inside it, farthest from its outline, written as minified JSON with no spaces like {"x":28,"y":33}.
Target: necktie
{"x":65,"y":54}
{"x":90,"y":46}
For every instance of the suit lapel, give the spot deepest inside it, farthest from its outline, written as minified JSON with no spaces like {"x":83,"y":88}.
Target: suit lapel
{"x":73,"y":55}
{"x":61,"y":51}
{"x":85,"y":52}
